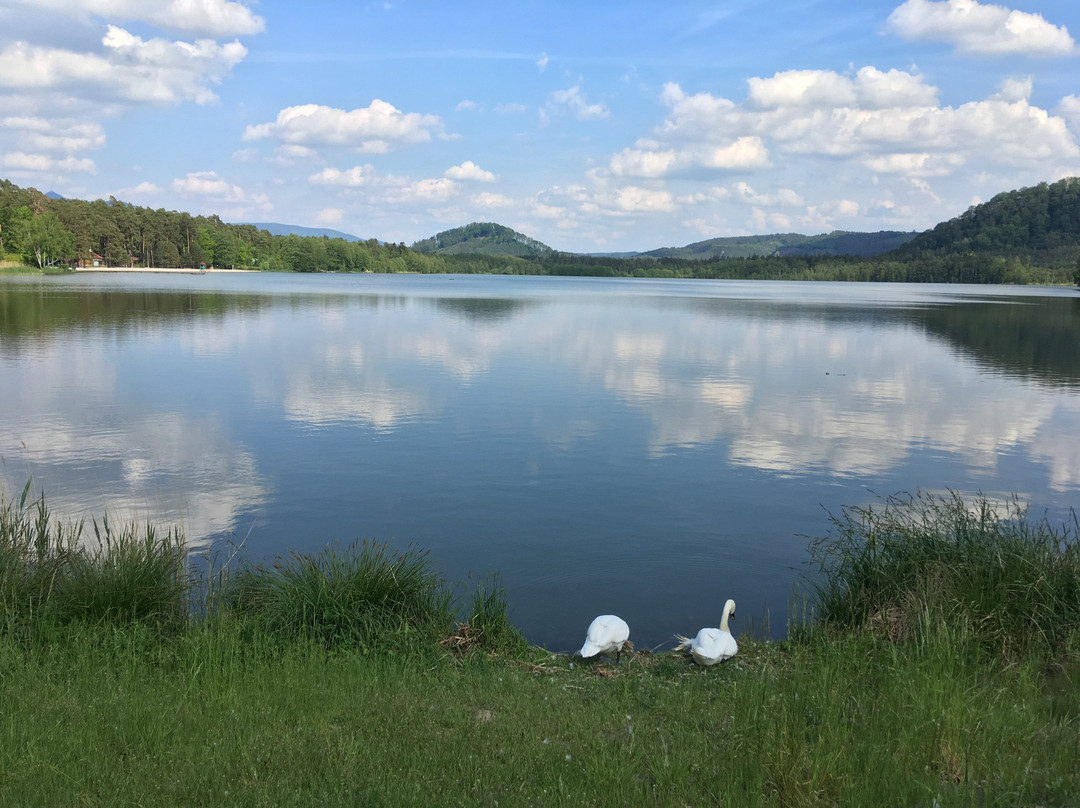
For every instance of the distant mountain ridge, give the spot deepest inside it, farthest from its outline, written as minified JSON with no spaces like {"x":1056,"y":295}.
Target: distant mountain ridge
{"x":489,"y":238}
{"x":1044,"y":217}
{"x":839,"y":242}
{"x":482,"y":238}
{"x":278,"y":229}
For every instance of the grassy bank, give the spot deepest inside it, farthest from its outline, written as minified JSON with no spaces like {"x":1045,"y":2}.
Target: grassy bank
{"x":13,"y":268}
{"x":19,"y":268}
{"x":319,"y":680}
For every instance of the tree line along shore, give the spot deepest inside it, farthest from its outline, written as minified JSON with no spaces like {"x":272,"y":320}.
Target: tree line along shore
{"x":1029,"y":236}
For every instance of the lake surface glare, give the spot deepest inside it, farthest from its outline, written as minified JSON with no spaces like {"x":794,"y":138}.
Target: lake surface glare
{"x":641,"y":447}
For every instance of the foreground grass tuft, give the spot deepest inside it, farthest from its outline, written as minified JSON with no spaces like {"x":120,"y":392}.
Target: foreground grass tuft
{"x":353,"y":597}
{"x":32,"y":552}
{"x":365,"y":595}
{"x":55,"y":572}
{"x":913,"y":563}
{"x":136,"y":573}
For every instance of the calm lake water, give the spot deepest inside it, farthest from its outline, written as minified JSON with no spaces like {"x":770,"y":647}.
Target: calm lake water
{"x":647,"y":448}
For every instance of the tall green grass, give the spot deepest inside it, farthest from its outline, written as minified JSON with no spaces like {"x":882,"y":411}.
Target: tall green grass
{"x":53,"y":571}
{"x":486,"y":627}
{"x":32,"y":553}
{"x":351,"y":597}
{"x":984,"y":571}
{"x":365,"y":595}
{"x":112,"y":716}
{"x":134,"y":573}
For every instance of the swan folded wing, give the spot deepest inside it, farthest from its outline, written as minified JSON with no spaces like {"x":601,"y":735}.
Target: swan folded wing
{"x":606,"y":633}
{"x":713,"y":645}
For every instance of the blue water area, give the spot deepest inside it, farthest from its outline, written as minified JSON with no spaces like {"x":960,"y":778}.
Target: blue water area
{"x":648,"y":448}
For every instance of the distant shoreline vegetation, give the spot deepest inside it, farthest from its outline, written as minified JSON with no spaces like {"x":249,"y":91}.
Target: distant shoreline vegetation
{"x":1029,"y":236}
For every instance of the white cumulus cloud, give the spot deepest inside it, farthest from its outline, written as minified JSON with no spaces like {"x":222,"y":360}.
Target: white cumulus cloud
{"x":979,"y":28}
{"x":914,"y":164}
{"x":69,"y":66}
{"x":782,"y":196}
{"x":815,"y":89}
{"x":824,"y":216}
{"x":208,"y":183}
{"x":59,"y":135}
{"x":879,"y":136}
{"x":210,"y":17}
{"x":365,"y":183}
{"x":802,"y":88}
{"x":884,"y":120}
{"x":374,"y":129}
{"x":142,"y":189}
{"x":647,"y":159}
{"x":425,"y":191}
{"x":20,"y":161}
{"x":352,"y":178}
{"x":288,"y":154}
{"x":634,"y":199}
{"x":469,"y":171}
{"x":489,"y":200}
{"x":642,"y":162}
{"x":744,"y":152}
{"x":1069,"y":109}
{"x":130,"y":69}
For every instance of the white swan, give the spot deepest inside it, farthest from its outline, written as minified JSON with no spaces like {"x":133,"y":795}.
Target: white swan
{"x":606,"y":633}
{"x":712,"y":645}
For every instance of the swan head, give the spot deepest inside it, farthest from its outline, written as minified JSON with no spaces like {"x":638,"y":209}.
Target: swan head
{"x":729,"y":612}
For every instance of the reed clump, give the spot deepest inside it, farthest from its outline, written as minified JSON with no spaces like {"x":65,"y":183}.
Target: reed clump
{"x":56,"y":572}
{"x":979,"y":570}
{"x":487,"y":625}
{"x":32,"y":553}
{"x":365,"y":595}
{"x":136,"y":573}
{"x":352,"y":597}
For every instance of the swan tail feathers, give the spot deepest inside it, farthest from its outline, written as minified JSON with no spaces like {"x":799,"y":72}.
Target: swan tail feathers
{"x":684,"y":642}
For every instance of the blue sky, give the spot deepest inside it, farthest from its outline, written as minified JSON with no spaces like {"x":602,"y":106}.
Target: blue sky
{"x":590,"y":126}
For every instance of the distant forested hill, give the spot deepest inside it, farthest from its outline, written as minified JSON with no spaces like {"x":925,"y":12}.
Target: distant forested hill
{"x":1044,"y":217}
{"x":482,"y":238}
{"x":839,"y":242}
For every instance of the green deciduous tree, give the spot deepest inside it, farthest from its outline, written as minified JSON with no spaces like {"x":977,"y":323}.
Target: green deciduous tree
{"x":13,"y":222}
{"x":48,"y":240}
